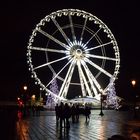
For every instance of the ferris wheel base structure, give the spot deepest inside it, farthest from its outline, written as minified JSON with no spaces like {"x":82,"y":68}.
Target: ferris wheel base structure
{"x":85,"y":100}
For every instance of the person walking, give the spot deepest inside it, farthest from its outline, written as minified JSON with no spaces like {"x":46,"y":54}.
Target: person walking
{"x":87,"y":112}
{"x":57,"y":112}
{"x":67,"y":115}
{"x":73,"y":112}
{"x":77,"y":112}
{"x":61,"y":114}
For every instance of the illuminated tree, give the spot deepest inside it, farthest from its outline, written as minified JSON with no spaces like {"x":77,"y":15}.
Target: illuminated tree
{"x":112,"y":99}
{"x":53,"y":88}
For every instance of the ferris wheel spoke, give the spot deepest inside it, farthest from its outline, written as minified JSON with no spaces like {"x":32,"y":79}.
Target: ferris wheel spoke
{"x":99,"y":46}
{"x":66,"y":83}
{"x":84,"y":78}
{"x":82,"y":33}
{"x":65,"y":80}
{"x":58,"y":73}
{"x":61,"y":31}
{"x":48,"y":50}
{"x":101,"y":57}
{"x":90,"y":78}
{"x":98,"y":67}
{"x":72,"y":28}
{"x":53,"y":39}
{"x":92,"y":37}
{"x":51,"y":62}
{"x":82,"y":84}
{"x":93,"y":78}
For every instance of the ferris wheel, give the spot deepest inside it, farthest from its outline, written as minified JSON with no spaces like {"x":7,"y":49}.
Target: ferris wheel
{"x":76,"y":49}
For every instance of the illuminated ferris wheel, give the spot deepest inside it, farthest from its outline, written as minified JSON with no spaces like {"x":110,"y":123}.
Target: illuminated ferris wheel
{"x":76,"y":49}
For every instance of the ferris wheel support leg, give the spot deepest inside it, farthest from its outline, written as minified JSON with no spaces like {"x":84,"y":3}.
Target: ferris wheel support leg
{"x":90,"y":79}
{"x":82,"y":84}
{"x":84,"y":79}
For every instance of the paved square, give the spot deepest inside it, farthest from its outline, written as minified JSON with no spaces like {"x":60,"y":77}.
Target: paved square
{"x":44,"y":127}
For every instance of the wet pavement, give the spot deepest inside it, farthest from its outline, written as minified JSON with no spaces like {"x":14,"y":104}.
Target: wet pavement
{"x":44,"y":126}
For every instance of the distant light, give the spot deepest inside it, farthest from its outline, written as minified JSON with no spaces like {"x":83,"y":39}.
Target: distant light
{"x":33,"y":97}
{"x":25,"y":88}
{"x":133,"y":82}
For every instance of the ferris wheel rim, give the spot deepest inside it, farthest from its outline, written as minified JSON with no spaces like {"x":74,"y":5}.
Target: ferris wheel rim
{"x":65,"y":12}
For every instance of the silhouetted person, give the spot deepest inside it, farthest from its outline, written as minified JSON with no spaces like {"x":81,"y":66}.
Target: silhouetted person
{"x":61,"y":114}
{"x":37,"y":108}
{"x":67,"y":115}
{"x":57,"y":112}
{"x":87,"y":112}
{"x":73,"y":112}
{"x":77,"y":113}
{"x":33,"y":109}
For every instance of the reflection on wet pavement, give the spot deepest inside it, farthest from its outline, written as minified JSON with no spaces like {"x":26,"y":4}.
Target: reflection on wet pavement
{"x":44,"y":127}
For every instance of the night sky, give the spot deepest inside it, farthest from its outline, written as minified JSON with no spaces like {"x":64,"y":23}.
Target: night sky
{"x":19,"y":18}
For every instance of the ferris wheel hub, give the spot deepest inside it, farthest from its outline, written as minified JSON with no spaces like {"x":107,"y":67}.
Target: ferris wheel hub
{"x":77,"y":50}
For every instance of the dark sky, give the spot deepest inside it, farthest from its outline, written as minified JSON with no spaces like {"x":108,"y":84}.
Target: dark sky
{"x":18,"y":18}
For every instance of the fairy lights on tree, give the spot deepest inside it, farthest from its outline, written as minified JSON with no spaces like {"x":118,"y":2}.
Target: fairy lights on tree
{"x":112,"y":99}
{"x":54,"y":89}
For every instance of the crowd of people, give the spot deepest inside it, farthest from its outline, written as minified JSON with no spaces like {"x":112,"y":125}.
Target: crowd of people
{"x":65,"y":111}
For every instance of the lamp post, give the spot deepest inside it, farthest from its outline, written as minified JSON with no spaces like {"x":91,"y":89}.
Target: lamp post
{"x":101,"y":107}
{"x":24,"y":99}
{"x":133,"y":82}
{"x":24,"y":95}
{"x":25,"y":88}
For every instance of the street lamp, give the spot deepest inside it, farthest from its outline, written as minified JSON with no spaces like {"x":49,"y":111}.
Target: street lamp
{"x":25,"y":88}
{"x":133,"y":82}
{"x":24,"y":100}
{"x":101,"y":107}
{"x":24,"y":95}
